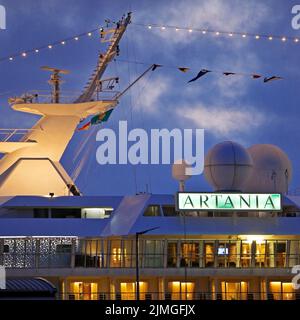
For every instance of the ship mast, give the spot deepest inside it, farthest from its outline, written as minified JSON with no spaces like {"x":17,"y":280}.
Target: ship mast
{"x":55,"y":81}
{"x":112,"y":36}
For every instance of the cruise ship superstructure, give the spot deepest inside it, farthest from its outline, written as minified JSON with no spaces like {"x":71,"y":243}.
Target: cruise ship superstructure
{"x":86,"y":246}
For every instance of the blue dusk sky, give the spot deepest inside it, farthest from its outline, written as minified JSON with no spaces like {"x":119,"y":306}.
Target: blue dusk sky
{"x":234,"y":108}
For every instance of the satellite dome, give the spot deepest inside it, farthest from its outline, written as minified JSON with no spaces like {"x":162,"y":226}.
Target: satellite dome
{"x":272,"y":169}
{"x":228,"y":166}
{"x":179,"y":170}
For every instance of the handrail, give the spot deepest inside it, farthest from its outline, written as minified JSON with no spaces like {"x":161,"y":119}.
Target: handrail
{"x":68,"y":96}
{"x":10,"y":133}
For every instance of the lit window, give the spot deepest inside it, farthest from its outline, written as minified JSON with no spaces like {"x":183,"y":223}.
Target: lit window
{"x":282,"y":290}
{"x":117,"y":254}
{"x":181,"y":290}
{"x":152,"y":211}
{"x":96,"y":213}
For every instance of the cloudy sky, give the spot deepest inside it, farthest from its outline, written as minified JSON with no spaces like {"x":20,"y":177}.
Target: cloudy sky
{"x":228,"y":108}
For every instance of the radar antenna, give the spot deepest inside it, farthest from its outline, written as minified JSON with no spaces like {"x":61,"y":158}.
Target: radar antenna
{"x":55,"y":81}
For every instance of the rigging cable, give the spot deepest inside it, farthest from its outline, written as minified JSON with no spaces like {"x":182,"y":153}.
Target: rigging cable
{"x":131,"y":114}
{"x":137,"y":100}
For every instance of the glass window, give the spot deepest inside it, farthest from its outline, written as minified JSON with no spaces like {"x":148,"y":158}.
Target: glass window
{"x":41,"y":213}
{"x":169,"y":211}
{"x":232,"y":255}
{"x":227,"y":254}
{"x":172,"y":255}
{"x":96,"y":213}
{"x":189,"y":254}
{"x":66,"y":213}
{"x":260,"y":254}
{"x":280,"y":254}
{"x":83,"y":291}
{"x":127,"y":253}
{"x":128,"y":291}
{"x":234,"y":290}
{"x":152,"y":211}
{"x":116,"y":254}
{"x":181,"y":290}
{"x":153,"y":257}
{"x":209,"y":254}
{"x":288,"y":292}
{"x":246,"y":254}
{"x":282,"y":290}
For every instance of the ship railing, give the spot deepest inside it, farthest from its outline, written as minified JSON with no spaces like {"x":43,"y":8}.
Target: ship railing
{"x":44,"y":96}
{"x":15,"y":135}
{"x":183,"y":295}
{"x":247,"y":261}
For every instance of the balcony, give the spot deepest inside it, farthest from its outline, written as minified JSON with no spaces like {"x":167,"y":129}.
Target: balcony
{"x":41,"y":253}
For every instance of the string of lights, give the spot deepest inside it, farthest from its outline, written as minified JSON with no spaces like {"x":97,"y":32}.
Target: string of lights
{"x":232,"y":34}
{"x":77,"y":37}
{"x":50,"y":46}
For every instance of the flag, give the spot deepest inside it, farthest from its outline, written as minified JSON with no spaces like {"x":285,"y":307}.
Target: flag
{"x":256,"y":76}
{"x":85,"y":127}
{"x":228,"y":73}
{"x":200,"y":74}
{"x":156,"y":66}
{"x":183,"y":69}
{"x":272,"y":78}
{"x":101,"y":117}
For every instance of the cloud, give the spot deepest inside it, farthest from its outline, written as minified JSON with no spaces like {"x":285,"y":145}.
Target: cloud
{"x":214,"y":14}
{"x":215,"y":53}
{"x":150,"y":93}
{"x":235,"y":86}
{"x":223,"y":122}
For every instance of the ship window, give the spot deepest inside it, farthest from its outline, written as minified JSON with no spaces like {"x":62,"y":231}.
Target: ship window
{"x":152,"y":211}
{"x":40,"y":213}
{"x":169,"y":211}
{"x":154,"y":253}
{"x":96,"y":213}
{"x":6,"y":248}
{"x":280,"y":254}
{"x":189,"y":254}
{"x":172,"y":255}
{"x":280,"y":247}
{"x":66,"y":213}
{"x":209,"y":256}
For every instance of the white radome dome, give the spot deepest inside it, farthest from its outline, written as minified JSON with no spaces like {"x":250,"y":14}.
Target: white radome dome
{"x":228,"y":166}
{"x":272,"y":170}
{"x":179,"y":170}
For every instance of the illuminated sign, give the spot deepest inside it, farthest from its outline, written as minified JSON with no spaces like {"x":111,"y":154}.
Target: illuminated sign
{"x":193,"y":201}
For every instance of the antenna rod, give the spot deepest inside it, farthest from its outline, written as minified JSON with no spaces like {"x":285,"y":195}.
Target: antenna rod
{"x":134,"y":82}
{"x":55,"y":81}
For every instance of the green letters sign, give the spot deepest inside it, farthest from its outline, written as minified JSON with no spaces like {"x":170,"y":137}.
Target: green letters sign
{"x":228,"y":201}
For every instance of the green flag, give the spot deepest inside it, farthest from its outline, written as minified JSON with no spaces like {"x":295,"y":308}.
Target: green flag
{"x":101,"y":117}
